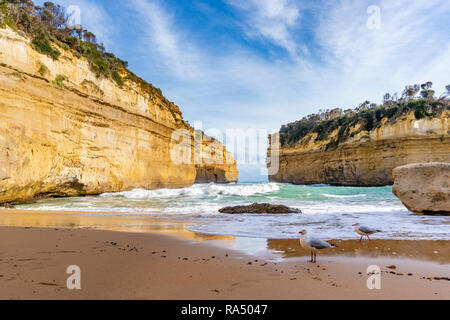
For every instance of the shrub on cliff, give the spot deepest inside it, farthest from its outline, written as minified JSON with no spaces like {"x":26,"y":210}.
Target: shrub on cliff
{"x":48,"y":29}
{"x":42,"y":70}
{"x":42,"y":44}
{"x":59,"y":80}
{"x":420,"y":108}
{"x":367,"y":115}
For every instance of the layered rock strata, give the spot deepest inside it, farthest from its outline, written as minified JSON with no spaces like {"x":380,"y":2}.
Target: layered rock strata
{"x":66,"y":132}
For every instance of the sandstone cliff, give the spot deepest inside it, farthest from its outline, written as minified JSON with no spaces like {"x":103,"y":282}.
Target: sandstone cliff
{"x":65,"y":132}
{"x":366,"y":157}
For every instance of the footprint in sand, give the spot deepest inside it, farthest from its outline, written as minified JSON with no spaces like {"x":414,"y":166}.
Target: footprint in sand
{"x":335,"y":285}
{"x":48,"y":284}
{"x":242,"y":284}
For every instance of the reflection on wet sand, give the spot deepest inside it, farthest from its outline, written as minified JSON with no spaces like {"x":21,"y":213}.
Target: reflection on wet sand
{"x":438,"y":251}
{"x":106,"y":221}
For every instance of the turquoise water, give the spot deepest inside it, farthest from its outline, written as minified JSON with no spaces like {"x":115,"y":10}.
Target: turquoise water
{"x":328,"y":211}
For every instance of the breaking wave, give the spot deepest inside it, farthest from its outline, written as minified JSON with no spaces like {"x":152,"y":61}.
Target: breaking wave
{"x":327,"y":211}
{"x":200,"y":190}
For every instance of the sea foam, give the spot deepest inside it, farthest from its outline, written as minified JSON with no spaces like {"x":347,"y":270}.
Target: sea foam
{"x":199,"y":190}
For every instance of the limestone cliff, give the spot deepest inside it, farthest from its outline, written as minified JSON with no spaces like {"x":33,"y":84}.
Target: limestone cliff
{"x":65,"y":132}
{"x":366,"y":157}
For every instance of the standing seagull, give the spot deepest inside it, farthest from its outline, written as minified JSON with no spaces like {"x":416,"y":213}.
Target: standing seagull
{"x":364,"y":231}
{"x":313,"y":244}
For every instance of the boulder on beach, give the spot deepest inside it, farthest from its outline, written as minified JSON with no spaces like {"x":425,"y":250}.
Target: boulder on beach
{"x":260,"y":208}
{"x":424,"y":187}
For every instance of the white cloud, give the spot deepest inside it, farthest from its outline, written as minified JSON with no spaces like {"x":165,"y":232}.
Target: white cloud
{"x":237,"y":88}
{"x":355,"y":63}
{"x":272,"y":20}
{"x":179,"y":56}
{"x":403,"y":51}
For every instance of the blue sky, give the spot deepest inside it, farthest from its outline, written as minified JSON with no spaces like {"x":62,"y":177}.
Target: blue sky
{"x":259,"y":64}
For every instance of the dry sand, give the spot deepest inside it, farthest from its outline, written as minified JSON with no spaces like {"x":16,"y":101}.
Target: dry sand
{"x":120,"y":265}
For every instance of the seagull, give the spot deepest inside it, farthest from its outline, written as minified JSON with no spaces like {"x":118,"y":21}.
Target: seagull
{"x":364,"y":231}
{"x":313,"y":244}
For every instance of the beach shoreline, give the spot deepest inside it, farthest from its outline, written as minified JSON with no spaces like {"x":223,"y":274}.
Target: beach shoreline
{"x":124,"y":265}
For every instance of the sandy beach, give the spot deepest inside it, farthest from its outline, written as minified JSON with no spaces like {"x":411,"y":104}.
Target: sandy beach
{"x":208,"y":150}
{"x":123,"y":265}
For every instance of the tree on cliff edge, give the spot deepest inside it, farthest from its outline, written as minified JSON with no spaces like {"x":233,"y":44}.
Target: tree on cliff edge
{"x":426,"y":92}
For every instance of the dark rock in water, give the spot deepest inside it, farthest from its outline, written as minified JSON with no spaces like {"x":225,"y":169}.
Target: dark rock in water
{"x":259,"y":208}
{"x":7,"y":206}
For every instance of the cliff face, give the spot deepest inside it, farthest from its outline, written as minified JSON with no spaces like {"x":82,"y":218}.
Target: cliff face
{"x":367,"y":158}
{"x":65,"y":132}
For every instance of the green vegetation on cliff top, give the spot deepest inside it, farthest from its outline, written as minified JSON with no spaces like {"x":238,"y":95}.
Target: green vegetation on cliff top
{"x":49,"y":30}
{"x":419,"y":99}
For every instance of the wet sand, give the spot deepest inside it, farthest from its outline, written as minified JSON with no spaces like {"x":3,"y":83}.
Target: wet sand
{"x":183,"y":265}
